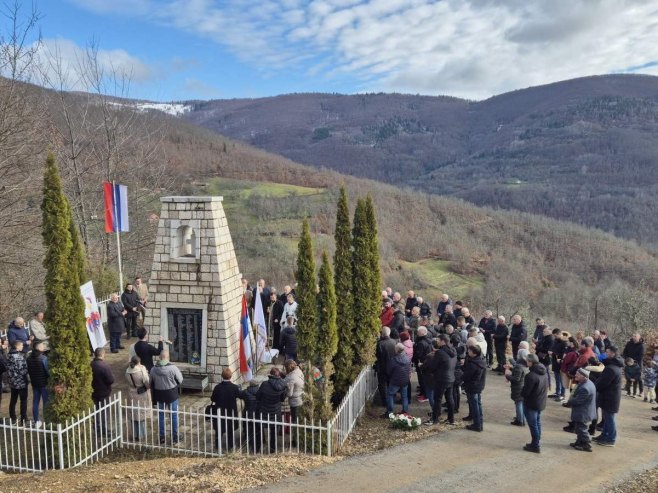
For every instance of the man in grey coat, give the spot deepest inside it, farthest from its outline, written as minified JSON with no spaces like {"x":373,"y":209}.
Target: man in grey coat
{"x":583,"y":409}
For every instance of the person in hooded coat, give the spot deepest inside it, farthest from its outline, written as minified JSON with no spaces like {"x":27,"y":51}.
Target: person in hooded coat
{"x":270,"y":395}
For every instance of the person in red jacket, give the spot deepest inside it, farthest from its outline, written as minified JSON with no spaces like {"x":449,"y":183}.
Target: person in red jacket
{"x":584,"y":354}
{"x":386,"y":316}
{"x":568,"y":361}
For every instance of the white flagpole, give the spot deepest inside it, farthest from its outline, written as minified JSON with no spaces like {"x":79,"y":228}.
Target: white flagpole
{"x":116,"y":221}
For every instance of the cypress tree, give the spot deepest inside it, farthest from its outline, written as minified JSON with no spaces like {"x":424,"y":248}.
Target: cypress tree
{"x":366,"y":282}
{"x":344,"y":359}
{"x":68,"y":363}
{"x":361,"y":280}
{"x":373,"y":262}
{"x":307,"y":318}
{"x":327,"y":336}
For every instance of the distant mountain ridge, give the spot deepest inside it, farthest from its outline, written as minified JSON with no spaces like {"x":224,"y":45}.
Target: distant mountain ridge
{"x":583,"y":150}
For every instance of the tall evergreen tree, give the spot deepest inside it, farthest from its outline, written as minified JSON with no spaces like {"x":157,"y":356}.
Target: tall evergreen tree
{"x":373,"y":259}
{"x":366,"y":282}
{"x":307,"y":315}
{"x":327,"y":336}
{"x":344,"y":359}
{"x":360,"y":287}
{"x":70,"y":373}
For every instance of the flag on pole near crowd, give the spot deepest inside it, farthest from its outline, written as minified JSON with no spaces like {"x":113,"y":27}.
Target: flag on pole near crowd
{"x":116,"y":207}
{"x":246,"y":364}
{"x":261,"y":327}
{"x":93,"y":316}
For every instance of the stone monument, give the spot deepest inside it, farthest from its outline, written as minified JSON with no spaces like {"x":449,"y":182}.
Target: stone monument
{"x":195,"y":286}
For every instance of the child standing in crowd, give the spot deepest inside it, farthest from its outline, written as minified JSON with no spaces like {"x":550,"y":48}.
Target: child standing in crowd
{"x":633,"y":375}
{"x":649,"y":380}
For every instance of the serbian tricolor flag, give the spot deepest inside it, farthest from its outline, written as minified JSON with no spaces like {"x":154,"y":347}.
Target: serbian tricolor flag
{"x":245,"y":342}
{"x":116,"y":207}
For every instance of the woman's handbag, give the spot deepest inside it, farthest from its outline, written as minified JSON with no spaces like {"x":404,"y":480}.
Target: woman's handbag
{"x":140,"y":390}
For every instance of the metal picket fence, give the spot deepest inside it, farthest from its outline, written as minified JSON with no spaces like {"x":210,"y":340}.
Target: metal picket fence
{"x":28,"y":448}
{"x":117,"y":424}
{"x":192,"y":431}
{"x":353,"y":405}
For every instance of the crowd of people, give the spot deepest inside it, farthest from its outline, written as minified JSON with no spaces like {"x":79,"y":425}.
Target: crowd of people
{"x":451,"y":354}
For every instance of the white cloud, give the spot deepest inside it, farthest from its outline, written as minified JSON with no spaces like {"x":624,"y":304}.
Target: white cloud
{"x":63,"y":64}
{"x":469,"y":48}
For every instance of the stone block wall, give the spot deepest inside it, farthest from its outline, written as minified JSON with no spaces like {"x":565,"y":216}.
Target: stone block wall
{"x":194,"y":265}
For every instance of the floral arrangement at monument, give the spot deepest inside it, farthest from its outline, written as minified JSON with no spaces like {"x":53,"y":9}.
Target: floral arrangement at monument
{"x":403,"y":421}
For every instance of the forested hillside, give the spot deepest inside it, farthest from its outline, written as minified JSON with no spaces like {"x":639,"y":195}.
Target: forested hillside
{"x":583,"y":150}
{"x":509,"y":261}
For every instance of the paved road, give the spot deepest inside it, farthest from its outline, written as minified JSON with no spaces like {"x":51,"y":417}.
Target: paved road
{"x":493,"y":461}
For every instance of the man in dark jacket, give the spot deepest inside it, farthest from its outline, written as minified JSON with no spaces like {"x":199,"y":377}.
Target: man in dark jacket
{"x":274,"y":314}
{"x":101,"y":384}
{"x":410,"y":303}
{"x":608,"y":387}
{"x":534,"y":400}
{"x":487,"y":326}
{"x":425,"y":308}
{"x":500,"y":342}
{"x":518,"y":333}
{"x":448,"y":318}
{"x":116,"y":323}
{"x":398,"y":372}
{"x":384,"y":351}
{"x":145,"y":351}
{"x":224,"y":399}
{"x":475,"y":374}
{"x":130,"y":300}
{"x":538,"y":335}
{"x":16,"y":331}
{"x":422,"y":347}
{"x":37,"y":368}
{"x":634,"y":349}
{"x":270,"y":395}
{"x":556,"y":353}
{"x":443,"y":302}
{"x":288,"y":343}
{"x":442,"y":366}
{"x":543,"y":350}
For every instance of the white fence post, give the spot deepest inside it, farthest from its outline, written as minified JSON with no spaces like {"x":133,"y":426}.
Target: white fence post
{"x":60,"y":445}
{"x":117,"y":401}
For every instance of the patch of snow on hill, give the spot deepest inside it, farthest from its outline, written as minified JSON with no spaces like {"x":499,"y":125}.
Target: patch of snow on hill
{"x":175,"y":109}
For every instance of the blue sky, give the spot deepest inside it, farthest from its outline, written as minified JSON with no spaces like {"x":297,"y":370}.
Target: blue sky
{"x":205,"y":49}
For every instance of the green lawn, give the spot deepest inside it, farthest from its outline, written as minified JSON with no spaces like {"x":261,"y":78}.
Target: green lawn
{"x":438,"y":279}
{"x":244,"y":189}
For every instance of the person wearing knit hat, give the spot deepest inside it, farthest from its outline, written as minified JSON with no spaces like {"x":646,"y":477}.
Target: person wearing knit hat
{"x":583,"y":409}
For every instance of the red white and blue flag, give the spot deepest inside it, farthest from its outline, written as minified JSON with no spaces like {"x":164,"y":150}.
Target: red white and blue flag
{"x":116,"y":207}
{"x":246,"y":364}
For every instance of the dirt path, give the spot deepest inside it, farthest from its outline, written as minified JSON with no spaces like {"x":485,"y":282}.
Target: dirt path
{"x":464,"y":461}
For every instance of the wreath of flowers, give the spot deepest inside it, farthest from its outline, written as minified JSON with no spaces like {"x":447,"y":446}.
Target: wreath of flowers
{"x":404,"y":421}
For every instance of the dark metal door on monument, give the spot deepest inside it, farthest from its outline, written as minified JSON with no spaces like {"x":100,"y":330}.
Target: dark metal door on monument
{"x":185,"y":329}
